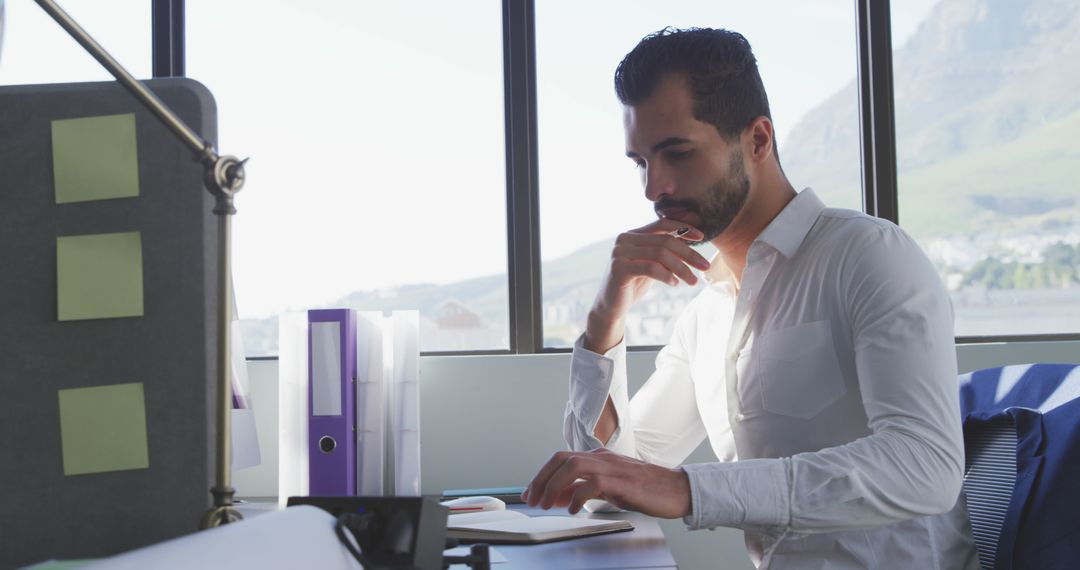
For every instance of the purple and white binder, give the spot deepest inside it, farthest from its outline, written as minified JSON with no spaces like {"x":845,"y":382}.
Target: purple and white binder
{"x":331,"y":402}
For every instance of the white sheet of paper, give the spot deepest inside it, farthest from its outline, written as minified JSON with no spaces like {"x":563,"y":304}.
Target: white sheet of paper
{"x":245,"y":441}
{"x":292,"y":405}
{"x":296,"y":537}
{"x":372,"y":402}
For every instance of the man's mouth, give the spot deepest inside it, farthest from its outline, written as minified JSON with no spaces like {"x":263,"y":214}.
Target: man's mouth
{"x":674,"y":213}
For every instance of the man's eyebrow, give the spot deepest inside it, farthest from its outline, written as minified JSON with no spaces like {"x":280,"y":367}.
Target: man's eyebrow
{"x":670,"y":141}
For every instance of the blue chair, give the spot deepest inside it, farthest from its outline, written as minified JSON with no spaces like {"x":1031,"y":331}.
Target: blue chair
{"x":1022,"y":476}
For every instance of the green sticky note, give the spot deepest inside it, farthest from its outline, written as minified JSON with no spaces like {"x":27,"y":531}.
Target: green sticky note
{"x":95,"y":158}
{"x":103,"y":428}
{"x":99,"y":276}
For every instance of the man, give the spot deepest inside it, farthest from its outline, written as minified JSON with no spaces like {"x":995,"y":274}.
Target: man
{"x":819,"y":361}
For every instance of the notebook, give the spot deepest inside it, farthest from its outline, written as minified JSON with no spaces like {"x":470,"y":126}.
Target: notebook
{"x":515,"y":527}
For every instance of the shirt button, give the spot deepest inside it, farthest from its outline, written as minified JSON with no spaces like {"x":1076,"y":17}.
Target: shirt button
{"x":739,"y":417}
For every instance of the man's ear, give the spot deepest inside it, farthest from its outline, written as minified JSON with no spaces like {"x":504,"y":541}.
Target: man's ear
{"x":758,"y":139}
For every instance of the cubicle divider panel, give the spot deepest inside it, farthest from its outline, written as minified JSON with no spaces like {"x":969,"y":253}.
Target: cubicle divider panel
{"x":107,"y":320}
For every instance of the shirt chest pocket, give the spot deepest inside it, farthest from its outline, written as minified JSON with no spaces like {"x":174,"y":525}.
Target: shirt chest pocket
{"x":798,"y":370}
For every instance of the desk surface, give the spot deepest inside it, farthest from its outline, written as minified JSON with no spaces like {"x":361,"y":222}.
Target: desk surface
{"x":643,"y":547}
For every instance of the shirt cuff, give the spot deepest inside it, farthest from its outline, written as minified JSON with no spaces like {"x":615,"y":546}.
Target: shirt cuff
{"x":748,"y":494}
{"x":593,"y":377}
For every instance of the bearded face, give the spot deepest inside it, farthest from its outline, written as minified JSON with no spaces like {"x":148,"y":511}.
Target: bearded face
{"x":720,"y":203}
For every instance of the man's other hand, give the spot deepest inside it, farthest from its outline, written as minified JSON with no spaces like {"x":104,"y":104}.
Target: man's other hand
{"x":570,"y":478}
{"x":659,"y":251}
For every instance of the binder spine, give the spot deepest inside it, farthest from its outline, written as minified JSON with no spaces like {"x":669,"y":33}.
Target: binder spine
{"x":332,"y":402}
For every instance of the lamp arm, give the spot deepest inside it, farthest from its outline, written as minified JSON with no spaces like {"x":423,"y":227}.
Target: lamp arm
{"x":225,"y":175}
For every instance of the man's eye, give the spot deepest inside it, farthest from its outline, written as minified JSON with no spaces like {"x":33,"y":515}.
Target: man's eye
{"x":677,"y":154}
{"x":639,"y":164}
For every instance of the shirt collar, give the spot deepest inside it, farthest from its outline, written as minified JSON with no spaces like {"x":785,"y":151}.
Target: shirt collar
{"x":789,"y":228}
{"x":784,"y":234}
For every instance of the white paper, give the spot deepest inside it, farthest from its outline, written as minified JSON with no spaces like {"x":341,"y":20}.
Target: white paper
{"x":245,"y":441}
{"x":483,"y":517}
{"x":245,"y":438}
{"x":371,"y":404}
{"x":406,"y":402}
{"x":293,"y":404}
{"x":241,"y":387}
{"x":296,"y":537}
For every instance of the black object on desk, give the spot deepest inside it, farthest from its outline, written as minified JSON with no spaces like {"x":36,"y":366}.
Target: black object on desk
{"x":393,"y":532}
{"x":479,"y":558}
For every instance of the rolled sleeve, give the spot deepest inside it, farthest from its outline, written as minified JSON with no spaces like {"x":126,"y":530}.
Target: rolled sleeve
{"x":594,"y":377}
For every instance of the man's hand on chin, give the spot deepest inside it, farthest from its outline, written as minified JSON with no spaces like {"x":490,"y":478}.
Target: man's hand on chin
{"x":570,"y":478}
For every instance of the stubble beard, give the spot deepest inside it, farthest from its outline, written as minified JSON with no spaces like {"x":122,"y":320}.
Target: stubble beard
{"x":723,"y":200}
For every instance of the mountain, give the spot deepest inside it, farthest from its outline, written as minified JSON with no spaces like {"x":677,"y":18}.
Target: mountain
{"x":569,"y":279}
{"x":987,"y":114}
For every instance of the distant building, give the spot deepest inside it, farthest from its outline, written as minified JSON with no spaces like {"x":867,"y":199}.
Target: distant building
{"x":452,"y":314}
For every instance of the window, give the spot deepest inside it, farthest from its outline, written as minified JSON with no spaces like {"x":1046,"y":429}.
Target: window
{"x":377,"y":174}
{"x":986,"y":116}
{"x":37,"y":50}
{"x":590,"y":192}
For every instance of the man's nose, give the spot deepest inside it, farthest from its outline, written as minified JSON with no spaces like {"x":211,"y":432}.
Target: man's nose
{"x":658,"y":183}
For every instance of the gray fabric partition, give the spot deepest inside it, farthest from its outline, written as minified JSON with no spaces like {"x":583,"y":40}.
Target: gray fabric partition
{"x":170,"y":349}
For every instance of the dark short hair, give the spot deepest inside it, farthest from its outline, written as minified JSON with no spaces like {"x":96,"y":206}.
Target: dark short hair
{"x":721,"y":68}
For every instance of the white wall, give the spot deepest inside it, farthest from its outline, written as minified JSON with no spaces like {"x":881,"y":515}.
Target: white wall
{"x":493,"y":420}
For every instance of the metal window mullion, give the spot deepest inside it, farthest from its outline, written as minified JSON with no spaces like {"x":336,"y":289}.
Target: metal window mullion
{"x":523,"y":232}
{"x":167,"y":38}
{"x":876,"y":109}
{"x":522,"y":204}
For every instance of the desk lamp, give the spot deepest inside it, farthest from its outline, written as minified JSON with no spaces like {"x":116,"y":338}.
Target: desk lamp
{"x":224,"y":178}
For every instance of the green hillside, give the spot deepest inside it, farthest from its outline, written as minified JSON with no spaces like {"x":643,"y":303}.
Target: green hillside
{"x":986,"y":96}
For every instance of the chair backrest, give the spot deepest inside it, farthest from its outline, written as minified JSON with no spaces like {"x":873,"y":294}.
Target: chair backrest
{"x":989,"y":478}
{"x":1041,"y":387}
{"x":1038,"y":528}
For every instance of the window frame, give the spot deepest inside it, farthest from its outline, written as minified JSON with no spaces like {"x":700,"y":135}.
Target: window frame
{"x":878,"y":138}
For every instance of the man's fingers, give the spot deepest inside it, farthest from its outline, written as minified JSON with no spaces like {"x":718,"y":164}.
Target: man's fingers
{"x":566,"y":473}
{"x":582,"y":491}
{"x":566,"y":496}
{"x":671,"y":227}
{"x":535,"y":490}
{"x":592,"y":466}
{"x":641,"y":245}
{"x":630,"y":268}
{"x":668,"y":260}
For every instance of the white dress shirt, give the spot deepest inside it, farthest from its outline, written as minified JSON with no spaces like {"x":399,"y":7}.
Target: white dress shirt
{"x":827,"y":387}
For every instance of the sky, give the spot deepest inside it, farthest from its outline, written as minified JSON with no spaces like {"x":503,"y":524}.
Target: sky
{"x":375,"y":129}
